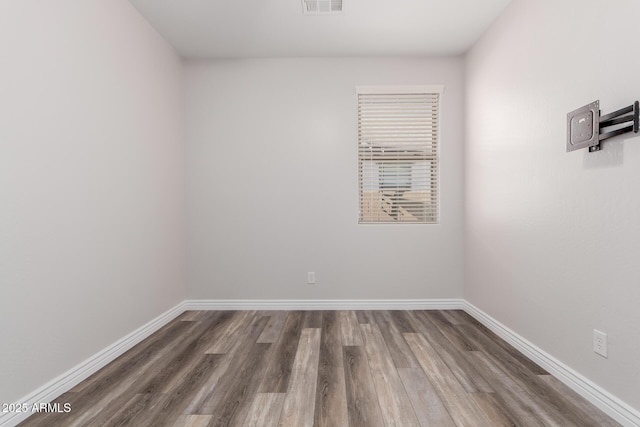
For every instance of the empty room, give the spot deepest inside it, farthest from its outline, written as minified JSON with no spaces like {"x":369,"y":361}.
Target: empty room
{"x":319,"y":213}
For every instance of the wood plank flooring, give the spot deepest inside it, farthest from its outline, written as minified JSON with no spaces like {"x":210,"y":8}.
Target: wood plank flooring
{"x":323,"y":368}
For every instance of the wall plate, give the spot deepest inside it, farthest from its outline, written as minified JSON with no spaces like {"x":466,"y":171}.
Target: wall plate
{"x":583,"y":127}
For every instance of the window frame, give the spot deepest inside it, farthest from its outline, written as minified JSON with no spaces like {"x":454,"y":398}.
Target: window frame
{"x":401,"y":90}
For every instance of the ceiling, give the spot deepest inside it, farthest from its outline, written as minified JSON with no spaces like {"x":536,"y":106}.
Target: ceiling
{"x":278,"y":28}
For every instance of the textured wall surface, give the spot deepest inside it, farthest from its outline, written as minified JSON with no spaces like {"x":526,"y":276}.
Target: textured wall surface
{"x":272,"y":184}
{"x":552,"y":238}
{"x":91,"y":183}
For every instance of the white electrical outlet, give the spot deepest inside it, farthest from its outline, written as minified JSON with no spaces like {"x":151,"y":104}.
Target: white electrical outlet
{"x":600,"y":343}
{"x":311,"y":278}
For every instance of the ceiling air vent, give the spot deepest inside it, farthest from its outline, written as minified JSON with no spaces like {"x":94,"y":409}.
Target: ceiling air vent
{"x":318,"y":7}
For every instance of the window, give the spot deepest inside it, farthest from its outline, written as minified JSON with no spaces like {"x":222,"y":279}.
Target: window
{"x":398,"y":154}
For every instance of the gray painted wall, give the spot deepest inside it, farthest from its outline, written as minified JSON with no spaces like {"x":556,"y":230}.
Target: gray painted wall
{"x":272,"y":188}
{"x":91,"y":183}
{"x":552,"y":238}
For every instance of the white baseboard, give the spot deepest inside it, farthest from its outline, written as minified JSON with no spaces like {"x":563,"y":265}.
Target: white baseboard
{"x":608,"y":403}
{"x":327,"y":304}
{"x":79,"y":373}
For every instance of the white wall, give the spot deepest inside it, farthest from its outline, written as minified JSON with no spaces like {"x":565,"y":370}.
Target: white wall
{"x":552,"y":238}
{"x":272,"y":184}
{"x":91,"y":183}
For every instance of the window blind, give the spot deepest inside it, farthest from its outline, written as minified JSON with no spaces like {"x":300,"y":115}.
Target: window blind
{"x":398,"y":155}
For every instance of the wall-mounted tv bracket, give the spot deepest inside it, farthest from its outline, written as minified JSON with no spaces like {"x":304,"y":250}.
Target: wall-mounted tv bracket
{"x":587,"y":128}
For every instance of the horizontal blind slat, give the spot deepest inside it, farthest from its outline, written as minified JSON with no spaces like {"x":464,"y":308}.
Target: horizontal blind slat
{"x":397,"y":157}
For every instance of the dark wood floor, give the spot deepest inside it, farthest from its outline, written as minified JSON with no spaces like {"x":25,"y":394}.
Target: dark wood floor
{"x":331,"y":368}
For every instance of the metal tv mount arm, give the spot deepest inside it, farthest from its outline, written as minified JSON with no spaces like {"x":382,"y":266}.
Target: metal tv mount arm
{"x":587,"y":128}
